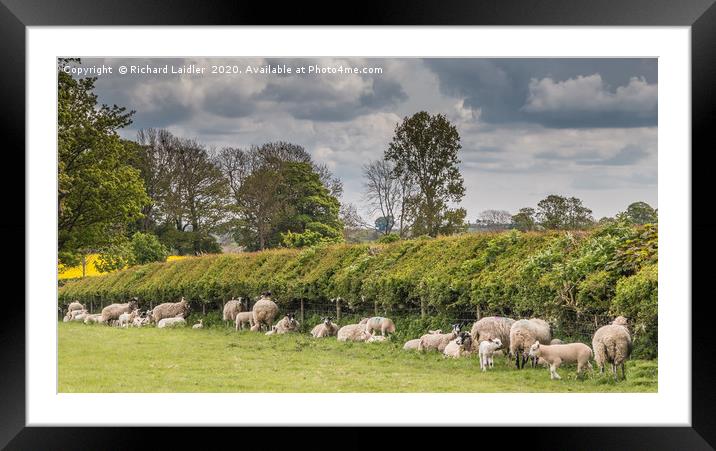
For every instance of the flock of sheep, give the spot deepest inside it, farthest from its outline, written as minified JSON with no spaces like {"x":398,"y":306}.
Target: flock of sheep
{"x":524,"y":339}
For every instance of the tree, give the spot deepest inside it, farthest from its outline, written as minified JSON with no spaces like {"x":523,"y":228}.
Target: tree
{"x":388,"y":195}
{"x":524,"y":220}
{"x":561,"y":213}
{"x":142,"y":248}
{"x":639,"y":213}
{"x":424,"y":150}
{"x":495,"y":219}
{"x":99,"y":193}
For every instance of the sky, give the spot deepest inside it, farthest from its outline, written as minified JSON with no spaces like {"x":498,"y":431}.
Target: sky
{"x":528,"y":127}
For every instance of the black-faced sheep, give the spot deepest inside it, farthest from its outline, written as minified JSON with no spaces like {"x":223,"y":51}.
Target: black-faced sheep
{"x":488,"y":348}
{"x":555,"y":355}
{"x":353,"y":332}
{"x":381,"y":324}
{"x":112,"y":312}
{"x":612,"y":344}
{"x":264,"y":312}
{"x":492,"y":327}
{"x":325,"y":329}
{"x":287,"y":324}
{"x":233,"y":308}
{"x":437,"y":342}
{"x":462,"y":346}
{"x":523,"y":334}
{"x":171,"y":310}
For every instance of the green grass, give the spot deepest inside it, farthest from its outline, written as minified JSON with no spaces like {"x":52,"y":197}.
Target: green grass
{"x":95,"y":358}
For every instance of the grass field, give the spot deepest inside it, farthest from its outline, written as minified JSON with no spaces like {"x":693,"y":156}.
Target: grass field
{"x":95,"y":358}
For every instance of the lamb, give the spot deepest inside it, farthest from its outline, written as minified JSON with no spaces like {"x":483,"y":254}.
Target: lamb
{"x":93,"y":318}
{"x":378,"y":323}
{"x":325,"y":329}
{"x":264,"y":312}
{"x":177,"y":321}
{"x":462,"y":346}
{"x":79,"y":315}
{"x":555,"y":355}
{"x":199,"y":325}
{"x":170,"y":310}
{"x":492,"y":327}
{"x":112,"y":312}
{"x":487,"y":350}
{"x":125,"y":319}
{"x":233,"y":308}
{"x":353,"y":332}
{"x":140,"y":321}
{"x":287,"y":324}
{"x":437,"y":342}
{"x":523,"y":334}
{"x":376,"y":338}
{"x":75,"y":306}
{"x":244,"y":318}
{"x":612,"y":343}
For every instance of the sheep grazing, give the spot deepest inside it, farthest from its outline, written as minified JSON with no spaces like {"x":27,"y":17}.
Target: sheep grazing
{"x":523,"y":334}
{"x":378,"y":323}
{"x":287,"y":324}
{"x":487,"y":350}
{"x":437,"y":342}
{"x":264,"y":312}
{"x":460,"y":346}
{"x":244,"y":318}
{"x":112,"y":312}
{"x":233,"y":308}
{"x":556,"y":341}
{"x":199,"y":325}
{"x":325,"y":328}
{"x":170,"y":310}
{"x":555,"y":355}
{"x":75,"y":306}
{"x":492,"y":327}
{"x":177,"y":321}
{"x":353,"y":332}
{"x":612,"y":344}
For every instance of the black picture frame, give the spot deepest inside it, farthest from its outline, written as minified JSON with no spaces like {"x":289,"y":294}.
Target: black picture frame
{"x":700,"y":15}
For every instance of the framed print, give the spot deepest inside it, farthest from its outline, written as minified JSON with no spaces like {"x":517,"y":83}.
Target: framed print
{"x":241,"y":225}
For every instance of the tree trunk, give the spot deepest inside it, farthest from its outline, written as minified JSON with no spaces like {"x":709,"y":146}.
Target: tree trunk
{"x":84,"y":265}
{"x":203,"y":308}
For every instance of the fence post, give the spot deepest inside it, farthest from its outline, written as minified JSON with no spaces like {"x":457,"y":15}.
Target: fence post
{"x":203,"y":308}
{"x":338,"y":309}
{"x":375,"y":307}
{"x":477,"y":312}
{"x":302,"y":319}
{"x":422,"y":308}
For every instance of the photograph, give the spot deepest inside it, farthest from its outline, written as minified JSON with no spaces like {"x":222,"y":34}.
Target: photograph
{"x":344,"y":224}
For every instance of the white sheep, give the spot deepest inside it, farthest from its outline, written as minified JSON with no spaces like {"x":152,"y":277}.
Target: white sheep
{"x":381,"y":324}
{"x":612,"y":344}
{"x":177,"y":321}
{"x":287,"y":324}
{"x":126,"y":319}
{"x":555,"y":355}
{"x":264,"y":311}
{"x":75,"y":306}
{"x":232,"y":308}
{"x":523,"y":334}
{"x":412,"y":345}
{"x":199,"y":325}
{"x":93,"y":318}
{"x":171,"y":310}
{"x":325,"y":329}
{"x":487,"y":350}
{"x":437,"y":342}
{"x":462,"y":346}
{"x":492,"y":327}
{"x":353,"y":332}
{"x":244,"y":318}
{"x":376,"y":338}
{"x":111,"y":313}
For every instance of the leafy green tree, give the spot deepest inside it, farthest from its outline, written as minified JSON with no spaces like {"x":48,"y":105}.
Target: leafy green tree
{"x":146,"y":248}
{"x":99,"y":192}
{"x":424,"y":148}
{"x":562,"y":213}
{"x":639,"y":213}
{"x":525,"y":220}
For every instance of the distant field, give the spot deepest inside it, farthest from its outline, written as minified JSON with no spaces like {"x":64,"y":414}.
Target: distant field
{"x":73,"y":272}
{"x":94,"y":358}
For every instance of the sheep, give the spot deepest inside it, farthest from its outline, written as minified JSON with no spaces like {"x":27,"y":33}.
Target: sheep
{"x":523,"y":334}
{"x":555,"y":355}
{"x":325,"y":329}
{"x":353,"y":332}
{"x":244,"y":318}
{"x":176,"y":321}
{"x":79,"y":315}
{"x":233,"y":308}
{"x":438,"y":342}
{"x":287,"y":324}
{"x":378,"y":323}
{"x":93,"y":318}
{"x":411,"y":345}
{"x":556,"y":341}
{"x":462,"y":346}
{"x":199,"y":325}
{"x":170,"y":310}
{"x":376,"y":338}
{"x":112,"y":312}
{"x":140,"y":321}
{"x":125,"y":319}
{"x":75,"y":306}
{"x":492,"y":327}
{"x":264,"y":311}
{"x":487,"y":350}
{"x":612,"y":343}
{"x":436,"y":331}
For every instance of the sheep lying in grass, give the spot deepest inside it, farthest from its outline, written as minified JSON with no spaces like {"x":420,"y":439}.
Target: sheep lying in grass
{"x":412,"y":345}
{"x":523,"y":334}
{"x":126,"y":319}
{"x":75,"y":315}
{"x":112,"y":312}
{"x":287,"y":324}
{"x":492,"y":327}
{"x":177,"y":321}
{"x":555,"y":355}
{"x":487,"y":350}
{"x":199,"y":325}
{"x":75,"y":306}
{"x":379,"y":323}
{"x":231,"y":309}
{"x":462,"y":346}
{"x":243,"y":318}
{"x":437,"y":342}
{"x":171,"y":310}
{"x":353,"y":332}
{"x":612,"y":344}
{"x":93,"y":318}
{"x":377,"y":338}
{"x":325,"y":329}
{"x":264,"y":312}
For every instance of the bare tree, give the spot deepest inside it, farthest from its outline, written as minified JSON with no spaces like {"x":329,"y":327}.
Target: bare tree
{"x":495,"y":219}
{"x":388,"y":194}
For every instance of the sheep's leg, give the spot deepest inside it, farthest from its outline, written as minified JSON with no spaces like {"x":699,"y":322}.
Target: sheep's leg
{"x":624,"y":371}
{"x":614,"y":370}
{"x":517,"y":360}
{"x":553,"y":371}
